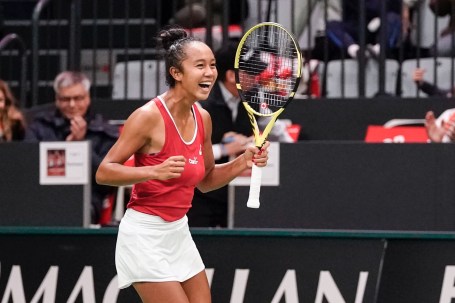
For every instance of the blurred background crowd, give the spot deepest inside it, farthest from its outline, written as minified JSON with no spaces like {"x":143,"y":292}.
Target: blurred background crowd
{"x":380,"y":43}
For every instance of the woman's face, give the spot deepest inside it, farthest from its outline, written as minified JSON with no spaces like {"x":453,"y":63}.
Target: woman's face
{"x":199,"y":72}
{"x":2,"y":100}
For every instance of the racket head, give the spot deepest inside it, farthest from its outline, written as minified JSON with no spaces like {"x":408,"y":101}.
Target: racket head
{"x":268,"y":68}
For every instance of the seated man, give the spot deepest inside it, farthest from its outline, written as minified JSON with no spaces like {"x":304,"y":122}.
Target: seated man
{"x":443,"y":44}
{"x":71,"y":120}
{"x":231,"y":135}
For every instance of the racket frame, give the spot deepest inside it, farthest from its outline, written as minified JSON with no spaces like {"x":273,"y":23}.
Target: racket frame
{"x":260,"y":138}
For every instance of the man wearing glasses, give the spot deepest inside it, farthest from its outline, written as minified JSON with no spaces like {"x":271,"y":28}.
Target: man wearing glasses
{"x":72,"y":120}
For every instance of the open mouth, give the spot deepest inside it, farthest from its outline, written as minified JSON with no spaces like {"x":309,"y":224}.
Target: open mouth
{"x":205,"y":84}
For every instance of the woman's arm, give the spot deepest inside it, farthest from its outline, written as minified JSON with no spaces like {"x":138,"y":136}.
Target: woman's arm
{"x":218,"y":175}
{"x":136,"y":136}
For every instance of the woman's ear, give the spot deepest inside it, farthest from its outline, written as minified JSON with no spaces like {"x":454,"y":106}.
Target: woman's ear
{"x":175,"y":73}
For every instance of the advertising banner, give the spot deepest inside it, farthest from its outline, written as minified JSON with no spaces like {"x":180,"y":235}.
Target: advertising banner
{"x":242,"y":266}
{"x":80,"y":268}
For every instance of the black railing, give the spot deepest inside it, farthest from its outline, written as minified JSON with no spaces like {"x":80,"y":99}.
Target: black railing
{"x":36,"y":17}
{"x":113,"y":43}
{"x":7,"y":41}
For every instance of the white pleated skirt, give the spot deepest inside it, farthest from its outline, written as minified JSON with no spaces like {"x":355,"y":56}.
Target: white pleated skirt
{"x":150,"y":249}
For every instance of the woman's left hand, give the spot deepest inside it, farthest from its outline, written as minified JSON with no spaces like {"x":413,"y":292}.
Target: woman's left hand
{"x":257,"y":156}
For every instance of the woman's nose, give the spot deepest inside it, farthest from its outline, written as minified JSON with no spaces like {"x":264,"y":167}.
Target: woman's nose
{"x":209,"y":71}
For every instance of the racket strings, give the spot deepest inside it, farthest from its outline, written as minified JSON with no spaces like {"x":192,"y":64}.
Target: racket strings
{"x":271,"y":68}
{"x":272,"y":100}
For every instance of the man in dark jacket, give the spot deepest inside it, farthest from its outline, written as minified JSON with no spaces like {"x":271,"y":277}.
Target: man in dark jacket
{"x":71,"y":120}
{"x":231,"y":135}
{"x":232,"y":132}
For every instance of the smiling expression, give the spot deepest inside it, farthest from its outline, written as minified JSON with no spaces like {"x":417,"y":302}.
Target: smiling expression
{"x":198,"y":70}
{"x":73,"y":101}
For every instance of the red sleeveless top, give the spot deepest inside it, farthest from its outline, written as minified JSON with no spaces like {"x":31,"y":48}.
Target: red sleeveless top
{"x":171,"y":199}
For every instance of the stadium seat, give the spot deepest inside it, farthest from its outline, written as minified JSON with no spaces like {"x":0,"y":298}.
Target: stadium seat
{"x":444,"y":68}
{"x":350,"y":68}
{"x":153,"y":80}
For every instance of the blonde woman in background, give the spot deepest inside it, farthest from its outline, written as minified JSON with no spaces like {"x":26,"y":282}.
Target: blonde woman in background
{"x":12,"y":122}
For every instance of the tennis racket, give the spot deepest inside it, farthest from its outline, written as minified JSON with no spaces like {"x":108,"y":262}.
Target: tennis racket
{"x":268,"y":68}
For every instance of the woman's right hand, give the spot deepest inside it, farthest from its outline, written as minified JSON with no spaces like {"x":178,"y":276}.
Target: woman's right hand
{"x":171,"y":168}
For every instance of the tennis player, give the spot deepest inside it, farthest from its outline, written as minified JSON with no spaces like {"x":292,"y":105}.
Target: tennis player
{"x":170,"y":138}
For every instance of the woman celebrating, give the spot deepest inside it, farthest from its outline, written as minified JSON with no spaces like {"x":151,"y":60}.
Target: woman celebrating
{"x":170,"y":138}
{"x":12,"y":122}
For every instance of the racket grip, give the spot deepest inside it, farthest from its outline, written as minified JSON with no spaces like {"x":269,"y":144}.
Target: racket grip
{"x":255,"y":187}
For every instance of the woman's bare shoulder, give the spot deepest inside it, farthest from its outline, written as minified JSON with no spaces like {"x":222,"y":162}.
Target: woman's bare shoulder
{"x":146,"y":111}
{"x":204,"y":113}
{"x":144,"y":117}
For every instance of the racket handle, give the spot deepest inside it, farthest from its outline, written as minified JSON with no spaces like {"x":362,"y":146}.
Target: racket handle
{"x":255,"y":187}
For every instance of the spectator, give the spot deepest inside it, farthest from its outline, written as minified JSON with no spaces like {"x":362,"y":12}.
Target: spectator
{"x":72,"y":120}
{"x":345,"y":33}
{"x":315,"y":24}
{"x":428,"y":88}
{"x":303,"y":18}
{"x":12,"y":122}
{"x":231,"y":135}
{"x":444,"y":44}
{"x":407,"y":7}
{"x":193,"y":13}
